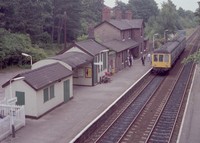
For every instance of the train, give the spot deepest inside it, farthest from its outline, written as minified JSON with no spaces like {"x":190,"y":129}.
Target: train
{"x":163,"y":58}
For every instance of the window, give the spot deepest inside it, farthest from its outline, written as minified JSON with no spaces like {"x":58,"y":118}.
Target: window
{"x":52,"y":92}
{"x":155,"y":58}
{"x":160,"y":58}
{"x":166,"y":58}
{"x":129,"y":34}
{"x":123,"y":35}
{"x":48,"y":93}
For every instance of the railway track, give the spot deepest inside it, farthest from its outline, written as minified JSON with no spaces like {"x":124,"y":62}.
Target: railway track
{"x":148,"y":114}
{"x":159,"y":126}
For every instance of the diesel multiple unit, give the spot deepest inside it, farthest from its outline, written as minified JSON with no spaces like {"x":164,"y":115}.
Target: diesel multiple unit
{"x":164,"y":57}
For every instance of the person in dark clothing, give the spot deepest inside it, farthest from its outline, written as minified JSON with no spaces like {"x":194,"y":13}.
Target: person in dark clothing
{"x":143,"y":60}
{"x":130,"y":61}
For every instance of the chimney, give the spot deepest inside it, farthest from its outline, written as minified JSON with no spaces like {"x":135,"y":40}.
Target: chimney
{"x":118,"y":13}
{"x":91,"y":32}
{"x":106,"y":13}
{"x":128,"y":14}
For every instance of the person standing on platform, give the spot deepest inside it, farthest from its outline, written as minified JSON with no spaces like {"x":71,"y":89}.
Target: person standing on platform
{"x":130,"y":61}
{"x":143,"y":60}
{"x":149,"y":57}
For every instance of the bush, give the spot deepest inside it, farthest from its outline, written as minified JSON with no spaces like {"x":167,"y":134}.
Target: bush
{"x":12,"y":45}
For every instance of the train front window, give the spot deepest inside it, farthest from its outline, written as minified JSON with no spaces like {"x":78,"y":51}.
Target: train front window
{"x":155,"y":58}
{"x":160,"y":58}
{"x":166,"y":58}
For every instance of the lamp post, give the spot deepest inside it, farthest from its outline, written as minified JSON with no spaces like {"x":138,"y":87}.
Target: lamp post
{"x":165,"y":35}
{"x":27,"y":55}
{"x":13,"y":100}
{"x":154,"y":39}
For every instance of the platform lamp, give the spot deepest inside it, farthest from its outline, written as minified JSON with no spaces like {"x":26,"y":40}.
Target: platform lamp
{"x":154,"y":40}
{"x":11,"y":100}
{"x":27,"y":55}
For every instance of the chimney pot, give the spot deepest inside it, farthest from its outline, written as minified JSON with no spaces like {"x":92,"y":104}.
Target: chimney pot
{"x":118,"y":13}
{"x":106,"y":13}
{"x":128,"y":15}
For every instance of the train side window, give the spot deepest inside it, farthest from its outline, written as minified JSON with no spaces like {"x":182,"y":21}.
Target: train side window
{"x":155,"y":58}
{"x":160,"y":58}
{"x":166,"y":58}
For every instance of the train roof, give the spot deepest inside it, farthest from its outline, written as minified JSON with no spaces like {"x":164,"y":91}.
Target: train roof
{"x":170,"y":45}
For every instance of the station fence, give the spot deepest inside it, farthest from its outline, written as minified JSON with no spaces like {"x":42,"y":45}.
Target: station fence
{"x":9,"y":114}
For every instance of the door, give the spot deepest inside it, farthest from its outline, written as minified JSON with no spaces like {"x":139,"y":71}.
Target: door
{"x":20,"y":98}
{"x":66,"y":87}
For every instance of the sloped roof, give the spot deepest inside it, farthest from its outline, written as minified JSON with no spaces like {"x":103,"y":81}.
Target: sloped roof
{"x":74,"y":59}
{"x":44,"y":76}
{"x":124,"y":24}
{"x":90,"y":46}
{"x":118,"y":45}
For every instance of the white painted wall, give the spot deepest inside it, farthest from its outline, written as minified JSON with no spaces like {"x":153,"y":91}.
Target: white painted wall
{"x":34,"y":102}
{"x":75,"y":49}
{"x":30,"y":96}
{"x":58,"y":99}
{"x":45,"y":62}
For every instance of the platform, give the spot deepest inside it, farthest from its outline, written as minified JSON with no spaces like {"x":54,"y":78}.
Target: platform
{"x":63,"y":123}
{"x":190,"y":128}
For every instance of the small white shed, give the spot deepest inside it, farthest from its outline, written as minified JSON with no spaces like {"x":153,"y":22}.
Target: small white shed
{"x":42,"y":89}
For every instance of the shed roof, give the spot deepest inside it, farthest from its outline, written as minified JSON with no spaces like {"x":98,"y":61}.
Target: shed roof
{"x":74,"y":59}
{"x":90,"y":46}
{"x":44,"y":76}
{"x":124,"y":24}
{"x":118,"y":45}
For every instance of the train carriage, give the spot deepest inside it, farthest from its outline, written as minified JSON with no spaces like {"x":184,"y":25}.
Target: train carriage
{"x":164,"y":57}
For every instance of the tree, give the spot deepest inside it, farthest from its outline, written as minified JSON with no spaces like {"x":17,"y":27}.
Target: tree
{"x":12,"y":45}
{"x":26,"y":16}
{"x":197,"y":13}
{"x":144,"y":9}
{"x":169,"y":17}
{"x":73,"y":15}
{"x":91,"y":14}
{"x":196,"y":56}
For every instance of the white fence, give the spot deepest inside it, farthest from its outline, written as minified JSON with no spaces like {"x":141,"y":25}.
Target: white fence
{"x":6,"y":119}
{"x":3,"y":101}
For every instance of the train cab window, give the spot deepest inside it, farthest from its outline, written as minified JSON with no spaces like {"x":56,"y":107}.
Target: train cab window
{"x":155,"y":58}
{"x":160,"y":58}
{"x":166,"y":58}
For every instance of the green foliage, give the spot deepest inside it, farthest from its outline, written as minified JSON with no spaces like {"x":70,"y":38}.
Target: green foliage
{"x":12,"y":45}
{"x":91,"y":14}
{"x":192,"y":58}
{"x":25,"y":16}
{"x":171,"y":19}
{"x":144,"y":9}
{"x":197,"y":13}
{"x":82,"y":37}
